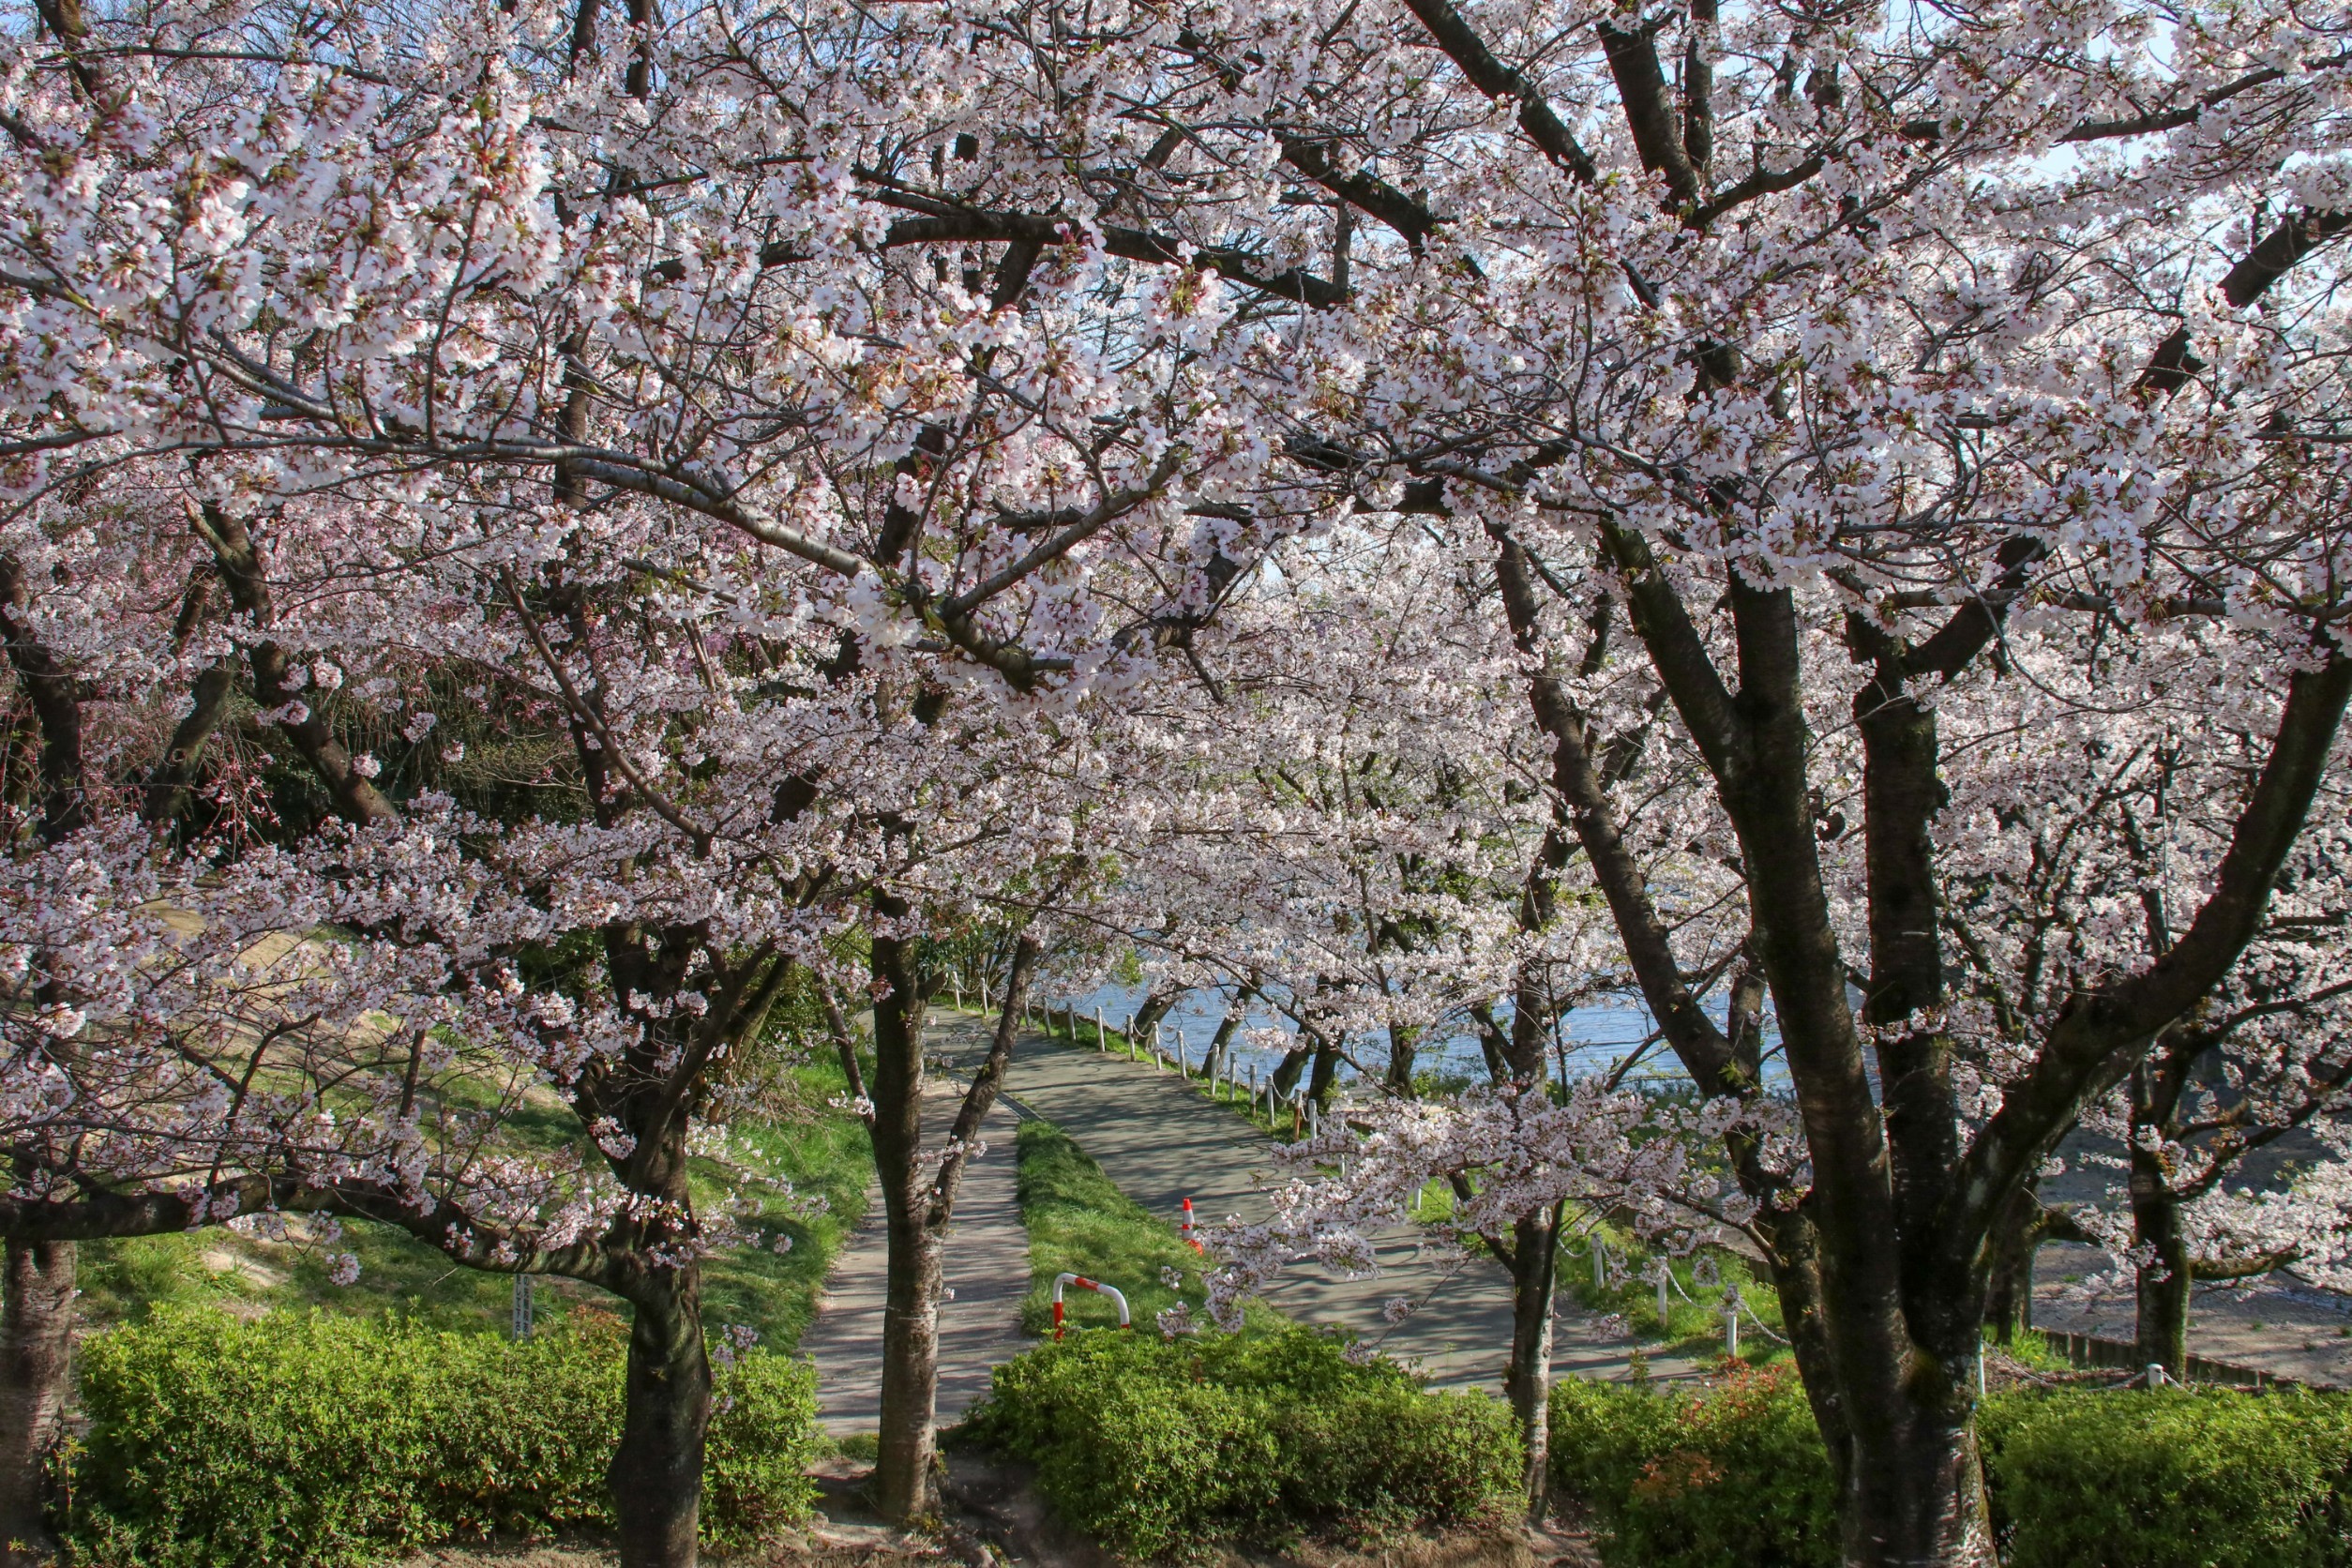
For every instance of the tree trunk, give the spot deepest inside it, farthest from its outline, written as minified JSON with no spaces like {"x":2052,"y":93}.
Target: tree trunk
{"x":902,"y":1472}
{"x":37,"y":1318}
{"x":1221,"y":1045}
{"x":2163,"y":1282}
{"x":1402,"y":1044}
{"x":2017,"y":1235}
{"x":1326,"y":1074}
{"x":1918,"y":1500}
{"x":1291,"y":1068}
{"x":910,"y":1381}
{"x":35,"y":1380}
{"x":656,"y":1473}
{"x":1157,"y":1006}
{"x":1534,"y":1271}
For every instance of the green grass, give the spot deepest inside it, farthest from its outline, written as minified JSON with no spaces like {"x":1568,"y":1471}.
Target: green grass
{"x":1079,"y":1222}
{"x":822,"y":1153}
{"x":1693,"y":1328}
{"x":2030,"y":1348}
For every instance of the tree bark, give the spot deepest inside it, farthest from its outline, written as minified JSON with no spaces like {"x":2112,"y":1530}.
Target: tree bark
{"x":2161,"y":1281}
{"x":1326,"y":1074}
{"x":1291,"y":1068}
{"x":1915,"y":1498}
{"x":1403,"y":1042}
{"x":37,"y":1315}
{"x":902,"y":1472}
{"x":1221,"y":1044}
{"x":2009,"y":1292}
{"x":1534,"y":1274}
{"x":656,"y":1473}
{"x":169,"y":785}
{"x":1147,"y":1018}
{"x":36,"y":1372}
{"x":909,"y":1382}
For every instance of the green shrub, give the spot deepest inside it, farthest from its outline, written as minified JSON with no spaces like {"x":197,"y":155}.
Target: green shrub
{"x":1736,"y":1474}
{"x":2170,"y":1479}
{"x":1162,"y":1447}
{"x":1394,"y":1457}
{"x":1733,"y":1477}
{"x":762,"y":1439}
{"x":331,"y":1440}
{"x":1165,"y":1463}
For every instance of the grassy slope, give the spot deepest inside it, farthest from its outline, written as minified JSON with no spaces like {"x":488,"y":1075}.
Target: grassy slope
{"x":1079,"y":1222}
{"x":822,"y":1153}
{"x":1693,"y":1327}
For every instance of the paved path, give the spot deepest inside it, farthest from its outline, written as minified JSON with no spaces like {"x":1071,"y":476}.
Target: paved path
{"x":1162,"y":1140}
{"x":987,"y":1267}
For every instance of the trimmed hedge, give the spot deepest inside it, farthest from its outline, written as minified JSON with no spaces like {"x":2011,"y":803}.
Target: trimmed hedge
{"x":1736,"y":1475}
{"x":1159,"y":1448}
{"x":322,"y":1441}
{"x":2171,"y":1479}
{"x":1736,"y":1478}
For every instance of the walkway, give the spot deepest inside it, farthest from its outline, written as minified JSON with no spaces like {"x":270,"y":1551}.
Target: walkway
{"x":1162,"y":1140}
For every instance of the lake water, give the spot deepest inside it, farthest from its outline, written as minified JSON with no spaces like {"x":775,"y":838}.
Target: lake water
{"x":1595,"y":1039}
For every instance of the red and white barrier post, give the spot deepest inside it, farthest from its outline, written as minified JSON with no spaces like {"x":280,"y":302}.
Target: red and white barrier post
{"x":1185,"y":1229}
{"x":1096,"y":1286}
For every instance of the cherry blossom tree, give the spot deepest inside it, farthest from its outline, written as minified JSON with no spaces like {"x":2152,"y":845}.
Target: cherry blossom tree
{"x":976,"y":354}
{"x":2082,"y":843}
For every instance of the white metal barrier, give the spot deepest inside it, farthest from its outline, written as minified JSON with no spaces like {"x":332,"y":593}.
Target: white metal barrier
{"x":1117,"y":1299}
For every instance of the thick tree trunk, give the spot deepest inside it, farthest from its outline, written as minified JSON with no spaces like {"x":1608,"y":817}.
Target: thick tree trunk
{"x":1147,"y":1018}
{"x":1221,"y":1045}
{"x":1917,"y":1500}
{"x":2162,"y":1281}
{"x":1535,"y":1272}
{"x":35,"y":1380}
{"x":2017,"y":1235}
{"x":1291,"y":1068}
{"x":1326,"y":1075}
{"x":656,"y":1473}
